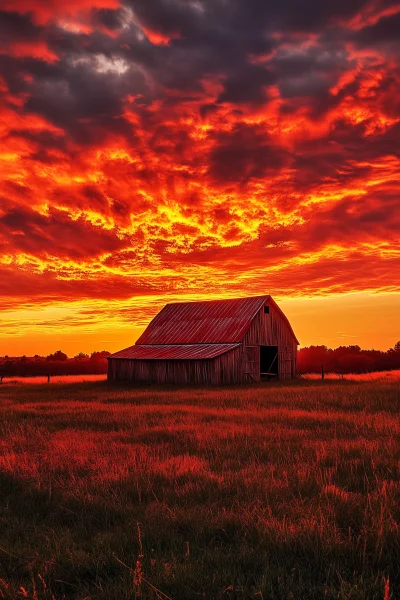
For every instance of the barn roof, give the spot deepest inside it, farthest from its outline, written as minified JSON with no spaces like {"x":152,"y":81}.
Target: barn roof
{"x":196,"y":330}
{"x":179,"y":351}
{"x":209,"y":322}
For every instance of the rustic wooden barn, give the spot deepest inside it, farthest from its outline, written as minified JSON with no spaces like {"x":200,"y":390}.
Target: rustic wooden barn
{"x":213,"y":342}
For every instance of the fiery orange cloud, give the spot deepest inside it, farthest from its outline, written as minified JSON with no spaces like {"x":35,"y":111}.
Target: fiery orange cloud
{"x":156,"y":151}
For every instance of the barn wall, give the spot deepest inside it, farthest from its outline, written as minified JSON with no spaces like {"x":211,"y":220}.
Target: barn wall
{"x":224,"y":369}
{"x":273,"y":330}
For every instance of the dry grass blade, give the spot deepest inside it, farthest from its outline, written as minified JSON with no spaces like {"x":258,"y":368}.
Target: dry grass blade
{"x":153,"y":587}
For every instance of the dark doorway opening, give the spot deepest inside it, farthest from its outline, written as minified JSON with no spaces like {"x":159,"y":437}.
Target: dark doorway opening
{"x":269,"y":367}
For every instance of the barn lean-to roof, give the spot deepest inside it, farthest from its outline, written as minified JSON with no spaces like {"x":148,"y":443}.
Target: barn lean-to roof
{"x":174,"y":351}
{"x":197,"y":330}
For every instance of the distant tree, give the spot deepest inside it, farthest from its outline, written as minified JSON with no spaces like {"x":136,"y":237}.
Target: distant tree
{"x":57,"y":356}
{"x":396,"y":347}
{"x":99,"y":355}
{"x":312,"y":358}
{"x":81,"y":356}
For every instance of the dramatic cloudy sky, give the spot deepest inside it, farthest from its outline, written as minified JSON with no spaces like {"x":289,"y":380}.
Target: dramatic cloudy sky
{"x":183,"y":149}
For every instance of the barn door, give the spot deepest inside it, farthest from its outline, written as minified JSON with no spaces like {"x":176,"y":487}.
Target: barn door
{"x":285,"y":362}
{"x":251,"y":362}
{"x":269,"y":362}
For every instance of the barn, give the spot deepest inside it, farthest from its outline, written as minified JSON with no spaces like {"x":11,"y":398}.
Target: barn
{"x":213,"y":342}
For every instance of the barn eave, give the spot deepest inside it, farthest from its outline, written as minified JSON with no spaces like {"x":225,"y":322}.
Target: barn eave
{"x":173,"y":351}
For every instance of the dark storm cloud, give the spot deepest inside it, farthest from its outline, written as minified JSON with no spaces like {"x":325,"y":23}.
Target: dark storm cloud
{"x":82,"y":94}
{"x":214,"y":38}
{"x":367,"y":219}
{"x":309,"y":72}
{"x":109,"y":18}
{"x":14,"y":27}
{"x":171,"y":16}
{"x":244,"y":154}
{"x":385,"y":32}
{"x":163,"y":16}
{"x":247,"y":85}
{"x":342,"y":156}
{"x":83,"y":91}
{"x":26,"y":231}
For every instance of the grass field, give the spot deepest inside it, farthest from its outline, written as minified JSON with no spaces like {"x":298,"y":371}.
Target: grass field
{"x":284,"y":491}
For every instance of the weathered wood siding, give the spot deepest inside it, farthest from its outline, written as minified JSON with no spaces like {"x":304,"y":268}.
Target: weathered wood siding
{"x":224,"y":369}
{"x":272,"y":330}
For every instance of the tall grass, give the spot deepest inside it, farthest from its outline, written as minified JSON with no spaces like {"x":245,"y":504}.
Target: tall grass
{"x":283,"y":491}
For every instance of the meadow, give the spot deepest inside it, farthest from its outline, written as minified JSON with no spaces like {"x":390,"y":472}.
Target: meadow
{"x":284,"y":491}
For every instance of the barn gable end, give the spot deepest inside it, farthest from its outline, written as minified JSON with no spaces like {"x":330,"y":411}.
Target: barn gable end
{"x":273,"y":329}
{"x":213,"y":342}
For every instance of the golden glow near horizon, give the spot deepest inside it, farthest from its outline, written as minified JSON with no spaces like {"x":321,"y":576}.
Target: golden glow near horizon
{"x":153,"y":172}
{"x":342,"y":320}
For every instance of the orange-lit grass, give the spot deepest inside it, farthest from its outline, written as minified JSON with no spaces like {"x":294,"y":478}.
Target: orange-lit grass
{"x":385,"y":375}
{"x":55,"y":379}
{"x":373,"y":376}
{"x":279,"y":491}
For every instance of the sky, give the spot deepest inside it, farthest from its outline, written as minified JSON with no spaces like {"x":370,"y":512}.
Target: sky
{"x":179,"y":150}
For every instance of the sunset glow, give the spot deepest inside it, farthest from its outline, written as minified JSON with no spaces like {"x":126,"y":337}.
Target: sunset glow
{"x":160,"y":151}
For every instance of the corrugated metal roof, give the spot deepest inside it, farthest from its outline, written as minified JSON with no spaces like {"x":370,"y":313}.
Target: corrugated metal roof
{"x":180,"y":351}
{"x":210,"y":322}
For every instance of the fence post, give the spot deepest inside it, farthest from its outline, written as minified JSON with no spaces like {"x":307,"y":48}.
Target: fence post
{"x":1,"y":378}
{"x":48,"y":378}
{"x":322,"y":372}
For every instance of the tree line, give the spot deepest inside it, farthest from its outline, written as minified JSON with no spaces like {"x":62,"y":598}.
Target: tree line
{"x":57,"y":363}
{"x":345,"y":359}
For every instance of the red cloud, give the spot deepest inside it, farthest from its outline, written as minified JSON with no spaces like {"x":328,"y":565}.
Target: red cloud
{"x":33,"y":49}
{"x":45,"y":11}
{"x":201,"y":158}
